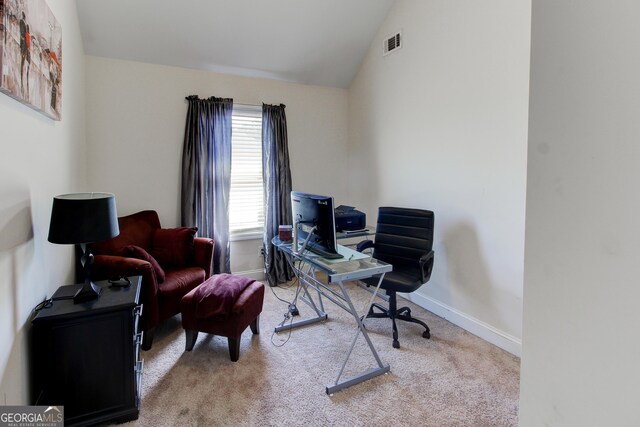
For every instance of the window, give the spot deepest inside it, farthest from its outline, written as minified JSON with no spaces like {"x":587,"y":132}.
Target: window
{"x":246,"y":199}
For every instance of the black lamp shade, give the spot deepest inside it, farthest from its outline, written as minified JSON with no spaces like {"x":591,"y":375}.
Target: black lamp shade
{"x":83,"y":218}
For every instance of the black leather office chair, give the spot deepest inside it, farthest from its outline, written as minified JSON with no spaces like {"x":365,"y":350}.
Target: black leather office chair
{"x":404,"y":239}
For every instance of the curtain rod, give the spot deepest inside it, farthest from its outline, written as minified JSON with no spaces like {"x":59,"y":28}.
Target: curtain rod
{"x":222,"y":100}
{"x":258,"y":105}
{"x":242,"y":104}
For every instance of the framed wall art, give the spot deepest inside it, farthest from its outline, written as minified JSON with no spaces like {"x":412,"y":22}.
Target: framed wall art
{"x":31,"y":55}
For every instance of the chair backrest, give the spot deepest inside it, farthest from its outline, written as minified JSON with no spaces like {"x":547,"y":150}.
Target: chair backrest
{"x":403,"y":236}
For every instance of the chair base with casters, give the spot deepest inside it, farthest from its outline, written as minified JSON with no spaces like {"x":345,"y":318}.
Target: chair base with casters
{"x":393,"y":313}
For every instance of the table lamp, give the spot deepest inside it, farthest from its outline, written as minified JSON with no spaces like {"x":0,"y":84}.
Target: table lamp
{"x":84,"y":218}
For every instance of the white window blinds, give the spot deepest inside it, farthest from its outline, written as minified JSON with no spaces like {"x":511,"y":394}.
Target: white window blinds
{"x":246,"y":200}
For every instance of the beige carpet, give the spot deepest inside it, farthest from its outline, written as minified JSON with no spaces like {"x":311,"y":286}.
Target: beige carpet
{"x":453,"y":379}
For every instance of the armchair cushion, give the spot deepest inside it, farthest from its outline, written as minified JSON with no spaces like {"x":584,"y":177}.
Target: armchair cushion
{"x":173,"y":247}
{"x":180,"y":281}
{"x":133,"y":251}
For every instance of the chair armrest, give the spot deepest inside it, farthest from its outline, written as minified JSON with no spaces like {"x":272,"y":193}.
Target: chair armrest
{"x":426,"y":266}
{"x":365,"y":244}
{"x":203,"y":254}
{"x":112,"y":266}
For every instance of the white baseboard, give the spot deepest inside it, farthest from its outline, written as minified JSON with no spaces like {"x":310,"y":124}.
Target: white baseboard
{"x":253,"y":274}
{"x":477,"y":327}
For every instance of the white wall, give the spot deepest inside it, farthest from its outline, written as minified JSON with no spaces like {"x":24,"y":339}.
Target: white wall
{"x":441,"y":124}
{"x":136,"y":117}
{"x":580,"y":345}
{"x":39,"y":158}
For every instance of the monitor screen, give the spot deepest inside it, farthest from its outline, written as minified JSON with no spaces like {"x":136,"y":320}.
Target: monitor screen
{"x":314,"y":217}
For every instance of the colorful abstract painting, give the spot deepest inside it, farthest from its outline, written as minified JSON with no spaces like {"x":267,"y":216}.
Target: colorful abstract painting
{"x":31,"y":55}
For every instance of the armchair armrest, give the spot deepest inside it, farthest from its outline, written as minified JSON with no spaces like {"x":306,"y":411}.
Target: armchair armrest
{"x":203,"y":254}
{"x":426,"y":266}
{"x":112,"y":266}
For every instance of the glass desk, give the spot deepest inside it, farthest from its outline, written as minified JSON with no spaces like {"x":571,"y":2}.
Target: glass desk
{"x":354,"y":266}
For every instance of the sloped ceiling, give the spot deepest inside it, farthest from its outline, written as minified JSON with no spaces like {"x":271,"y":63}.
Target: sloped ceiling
{"x":316,"y":42}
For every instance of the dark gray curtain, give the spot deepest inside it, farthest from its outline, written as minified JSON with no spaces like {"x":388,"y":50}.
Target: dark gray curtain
{"x":206,"y":173}
{"x":277,"y":189}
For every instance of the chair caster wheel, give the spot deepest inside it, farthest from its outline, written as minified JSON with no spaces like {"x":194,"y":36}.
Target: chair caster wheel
{"x":426,"y":334}
{"x":396,"y":344}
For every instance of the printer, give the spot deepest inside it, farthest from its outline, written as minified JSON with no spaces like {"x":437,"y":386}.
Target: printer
{"x":348,"y":218}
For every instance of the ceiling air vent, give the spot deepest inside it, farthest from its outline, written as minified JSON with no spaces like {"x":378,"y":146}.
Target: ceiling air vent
{"x":392,"y":43}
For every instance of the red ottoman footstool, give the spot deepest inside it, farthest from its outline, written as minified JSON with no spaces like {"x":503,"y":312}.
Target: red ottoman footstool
{"x":224,"y":304}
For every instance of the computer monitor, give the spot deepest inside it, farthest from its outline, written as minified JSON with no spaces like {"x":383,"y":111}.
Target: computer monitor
{"x":313,"y":219}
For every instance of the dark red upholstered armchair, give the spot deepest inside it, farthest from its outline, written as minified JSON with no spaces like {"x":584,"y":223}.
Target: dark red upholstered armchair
{"x":171,"y":261}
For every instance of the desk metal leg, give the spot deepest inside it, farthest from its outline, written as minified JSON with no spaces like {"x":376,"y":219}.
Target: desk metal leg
{"x":307,"y":278}
{"x":371,"y":373}
{"x":303,"y":276}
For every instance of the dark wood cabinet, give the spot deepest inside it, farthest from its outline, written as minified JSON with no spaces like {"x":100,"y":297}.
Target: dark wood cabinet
{"x":86,"y":356}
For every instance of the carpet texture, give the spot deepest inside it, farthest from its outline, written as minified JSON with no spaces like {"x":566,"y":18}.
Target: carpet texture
{"x":453,"y":379}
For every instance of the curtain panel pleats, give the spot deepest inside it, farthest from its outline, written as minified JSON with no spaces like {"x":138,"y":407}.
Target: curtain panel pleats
{"x":277,"y":189}
{"x":206,"y":173}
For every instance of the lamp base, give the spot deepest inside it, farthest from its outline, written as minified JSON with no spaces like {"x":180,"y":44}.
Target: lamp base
{"x":88,"y":292}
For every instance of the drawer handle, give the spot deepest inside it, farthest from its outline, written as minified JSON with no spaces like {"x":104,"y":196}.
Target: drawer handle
{"x":137,"y":310}
{"x":137,"y":338}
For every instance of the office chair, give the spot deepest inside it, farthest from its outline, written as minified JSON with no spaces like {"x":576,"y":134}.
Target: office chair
{"x":404,"y":239}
